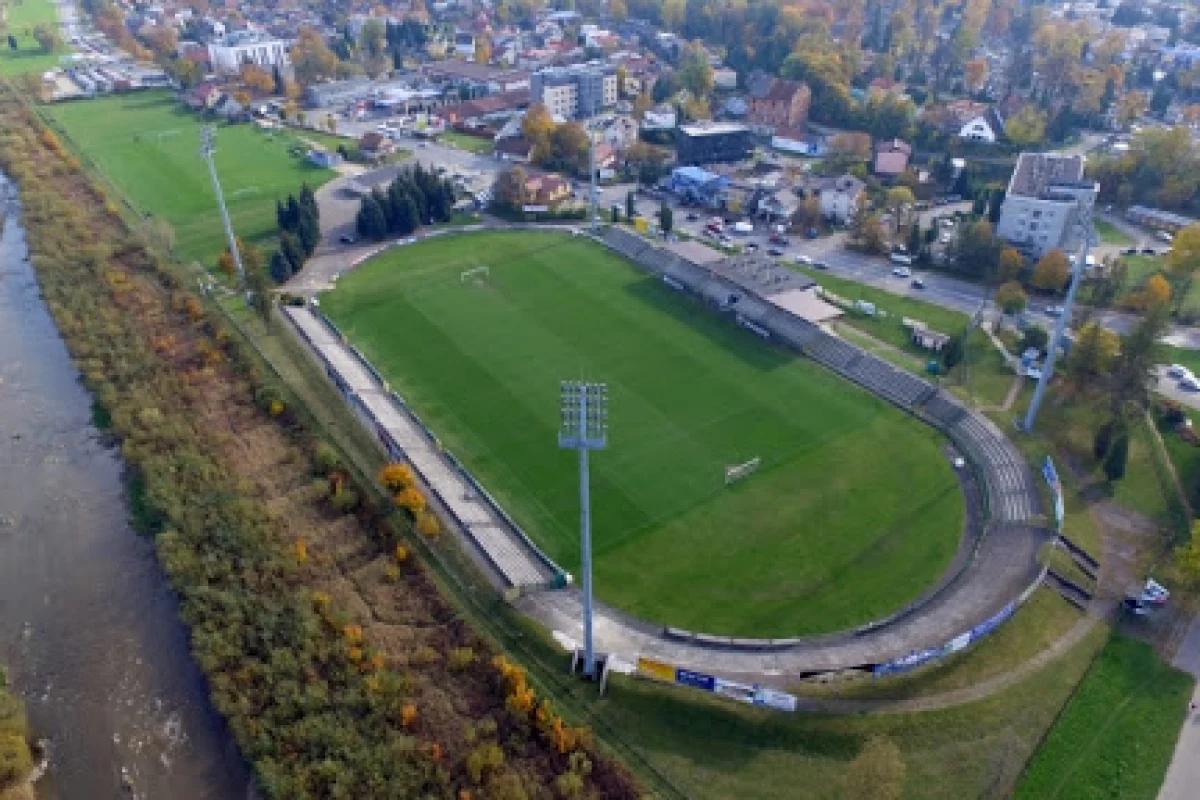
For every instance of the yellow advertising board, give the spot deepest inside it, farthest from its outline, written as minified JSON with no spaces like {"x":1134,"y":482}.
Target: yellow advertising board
{"x":641,"y":225}
{"x":656,"y":669}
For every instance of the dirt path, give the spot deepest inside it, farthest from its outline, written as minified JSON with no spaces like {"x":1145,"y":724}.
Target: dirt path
{"x":967,"y":694}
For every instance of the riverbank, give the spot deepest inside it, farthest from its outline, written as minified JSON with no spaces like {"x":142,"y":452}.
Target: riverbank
{"x":16,"y":758}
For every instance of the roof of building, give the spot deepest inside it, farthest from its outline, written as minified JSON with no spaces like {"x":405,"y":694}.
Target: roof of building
{"x":760,"y":274}
{"x":713,"y":128}
{"x":1146,"y":212}
{"x":514,"y":146}
{"x":491,"y":104}
{"x":696,"y":175}
{"x":783,"y":91}
{"x":372,"y":140}
{"x":465,"y":70}
{"x":894,"y":146}
{"x":1036,"y":172}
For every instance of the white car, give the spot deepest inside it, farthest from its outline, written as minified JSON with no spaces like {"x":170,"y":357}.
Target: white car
{"x":1190,"y":385}
{"x":805,"y":260}
{"x":1179,"y":371}
{"x":902,"y":272}
{"x":1033,"y":372}
{"x":1054,"y":311}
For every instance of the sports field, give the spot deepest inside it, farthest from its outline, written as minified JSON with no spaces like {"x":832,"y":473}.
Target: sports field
{"x":148,"y":145}
{"x":853,"y":513}
{"x":20,"y":17}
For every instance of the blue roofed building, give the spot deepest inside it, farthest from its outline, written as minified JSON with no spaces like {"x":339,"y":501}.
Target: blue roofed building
{"x":696,"y":185}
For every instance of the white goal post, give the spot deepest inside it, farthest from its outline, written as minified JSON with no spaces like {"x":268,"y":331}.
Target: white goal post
{"x":736,"y":472}
{"x":474,"y":273}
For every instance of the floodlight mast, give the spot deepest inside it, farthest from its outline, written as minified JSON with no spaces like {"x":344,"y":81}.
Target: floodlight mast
{"x":583,"y":426}
{"x":208,"y":135}
{"x":1085,"y":226}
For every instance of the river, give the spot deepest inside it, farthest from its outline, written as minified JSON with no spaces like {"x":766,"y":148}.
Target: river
{"x":88,"y":625}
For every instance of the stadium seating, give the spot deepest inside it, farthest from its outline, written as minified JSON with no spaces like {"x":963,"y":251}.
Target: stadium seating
{"x":1012,"y":494}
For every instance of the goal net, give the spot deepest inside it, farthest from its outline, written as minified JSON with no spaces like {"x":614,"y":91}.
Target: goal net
{"x":474,"y":275}
{"x":736,"y":472}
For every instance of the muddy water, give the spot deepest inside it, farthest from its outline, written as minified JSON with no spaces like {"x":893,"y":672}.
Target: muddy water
{"x":88,"y":626}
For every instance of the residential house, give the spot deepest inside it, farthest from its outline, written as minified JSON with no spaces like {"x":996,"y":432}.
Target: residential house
{"x":891,"y":157}
{"x":840,"y":197}
{"x":375,"y":145}
{"x":545,"y":189}
{"x":783,"y":107}
{"x":514,"y":148}
{"x":621,"y":132}
{"x":492,"y":110}
{"x":203,"y":96}
{"x":780,"y":204}
{"x":660,"y":118}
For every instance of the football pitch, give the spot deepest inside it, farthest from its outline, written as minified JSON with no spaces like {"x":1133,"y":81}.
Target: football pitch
{"x":853,"y":513}
{"x":148,"y":145}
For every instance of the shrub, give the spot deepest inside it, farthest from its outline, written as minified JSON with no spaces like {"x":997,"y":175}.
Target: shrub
{"x":484,"y":759}
{"x":325,"y":459}
{"x":427,"y":525}
{"x":461,"y":658}
{"x":1117,"y":458}
{"x":396,"y":477}
{"x":344,"y":500}
{"x":412,"y":500}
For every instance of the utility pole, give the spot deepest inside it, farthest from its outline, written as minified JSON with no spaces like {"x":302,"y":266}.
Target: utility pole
{"x":1060,"y":328}
{"x":584,"y":426}
{"x":208,"y":135}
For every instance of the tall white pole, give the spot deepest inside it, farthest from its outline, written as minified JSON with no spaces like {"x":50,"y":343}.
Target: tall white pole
{"x":207,"y":148}
{"x":585,"y":527}
{"x":1085,"y":224}
{"x":592,"y":177}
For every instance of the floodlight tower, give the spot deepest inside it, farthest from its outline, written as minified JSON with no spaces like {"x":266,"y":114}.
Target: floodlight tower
{"x":208,"y":135}
{"x":584,"y":426}
{"x":593,"y":223}
{"x":1060,"y":327}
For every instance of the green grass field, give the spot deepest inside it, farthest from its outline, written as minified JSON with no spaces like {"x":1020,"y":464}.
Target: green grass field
{"x":472,"y":144}
{"x":1116,"y":736}
{"x":853,"y":514}
{"x":147,"y":145}
{"x":20,"y":17}
{"x":1110,"y":234}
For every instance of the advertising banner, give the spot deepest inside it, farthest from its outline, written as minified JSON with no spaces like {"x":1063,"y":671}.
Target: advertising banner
{"x":656,"y":670}
{"x":769,"y":698}
{"x":697,"y":680}
{"x":1051,"y":476}
{"x":987,"y":626}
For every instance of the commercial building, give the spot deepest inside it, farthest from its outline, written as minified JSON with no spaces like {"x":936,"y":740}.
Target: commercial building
{"x":695,"y":185}
{"x":1042,"y":206}
{"x":579,"y":91}
{"x":1158,"y":219}
{"x":709,"y":142}
{"x":228,"y":54}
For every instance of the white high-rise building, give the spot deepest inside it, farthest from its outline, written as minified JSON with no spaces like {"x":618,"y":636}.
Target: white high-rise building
{"x":229,"y":53}
{"x":576,"y":92}
{"x":1042,"y":205}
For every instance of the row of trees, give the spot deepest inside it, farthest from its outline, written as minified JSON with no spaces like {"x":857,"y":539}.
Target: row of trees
{"x":414,"y":198}
{"x":560,"y":148}
{"x":299,"y":222}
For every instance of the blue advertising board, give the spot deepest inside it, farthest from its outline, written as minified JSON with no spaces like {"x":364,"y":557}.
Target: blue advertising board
{"x":697,"y":680}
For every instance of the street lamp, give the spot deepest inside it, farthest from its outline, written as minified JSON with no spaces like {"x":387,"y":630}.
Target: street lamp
{"x":1085,"y":226}
{"x":583,"y":426}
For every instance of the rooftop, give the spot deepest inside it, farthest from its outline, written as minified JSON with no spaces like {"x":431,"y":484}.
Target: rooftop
{"x":1036,"y":172}
{"x":760,"y":274}
{"x":713,"y":128}
{"x":245,"y":37}
{"x":465,"y":70}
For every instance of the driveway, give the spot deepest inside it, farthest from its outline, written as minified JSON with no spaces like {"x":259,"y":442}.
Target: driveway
{"x":1183,"y":776}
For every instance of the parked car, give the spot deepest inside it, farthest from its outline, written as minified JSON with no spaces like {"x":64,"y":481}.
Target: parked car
{"x":1163,"y":236}
{"x":902,"y":272}
{"x":917,"y":283}
{"x":1190,"y":385}
{"x":812,"y":233}
{"x":779,"y":239}
{"x":691,"y":217}
{"x":752,"y":246}
{"x":820,"y":265}
{"x":803,"y":259}
{"x":1149,"y":251}
{"x":774,"y":251}
{"x":346,"y":238}
{"x":1179,"y":371}
{"x":901,"y":258}
{"x":1054,"y":311}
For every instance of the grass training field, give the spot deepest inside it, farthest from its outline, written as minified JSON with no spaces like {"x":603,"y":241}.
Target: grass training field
{"x":1116,"y":736}
{"x":854,"y":512}
{"x":148,"y":145}
{"x":20,"y":17}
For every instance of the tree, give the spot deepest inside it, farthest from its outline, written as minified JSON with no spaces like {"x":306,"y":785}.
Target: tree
{"x":877,"y":772}
{"x":1011,"y":298}
{"x":899,"y":201}
{"x":256,"y":80}
{"x":372,"y":38}
{"x":695,"y":73}
{"x":1033,"y":337}
{"x":281,"y":268}
{"x":1117,"y":458}
{"x":290,"y":246}
{"x":977,"y":250}
{"x":854,"y":143}
{"x":630,"y":205}
{"x":1009,"y":264}
{"x":508,"y":191}
{"x":1102,"y":441}
{"x":1155,"y":292}
{"x":641,"y":104}
{"x":312,"y":60}
{"x":1133,"y":371}
{"x":48,"y":37}
{"x":1052,"y":272}
{"x":672,"y":13}
{"x":995,"y":204}
{"x":1027,"y":127}
{"x":483,"y":50}
{"x":1183,"y":262}
{"x":975,"y":74}
{"x":666,"y":217}
{"x":1131,"y":107}
{"x":914,"y":238}
{"x":1092,"y":357}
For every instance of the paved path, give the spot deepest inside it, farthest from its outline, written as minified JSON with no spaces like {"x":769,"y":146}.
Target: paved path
{"x":1183,"y":776}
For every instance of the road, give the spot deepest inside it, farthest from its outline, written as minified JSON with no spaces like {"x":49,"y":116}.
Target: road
{"x":1183,"y":776}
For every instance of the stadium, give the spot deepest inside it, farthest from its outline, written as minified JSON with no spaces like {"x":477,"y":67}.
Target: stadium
{"x":764,"y":481}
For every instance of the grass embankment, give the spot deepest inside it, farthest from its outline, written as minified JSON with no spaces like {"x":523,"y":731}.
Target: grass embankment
{"x":689,"y":393}
{"x":1110,"y":234}
{"x":982,"y":376}
{"x":472,"y":144}
{"x":147,"y":146}
{"x":16,"y":761}
{"x":1116,"y":736}
{"x":19,"y":18}
{"x":341,"y":669}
